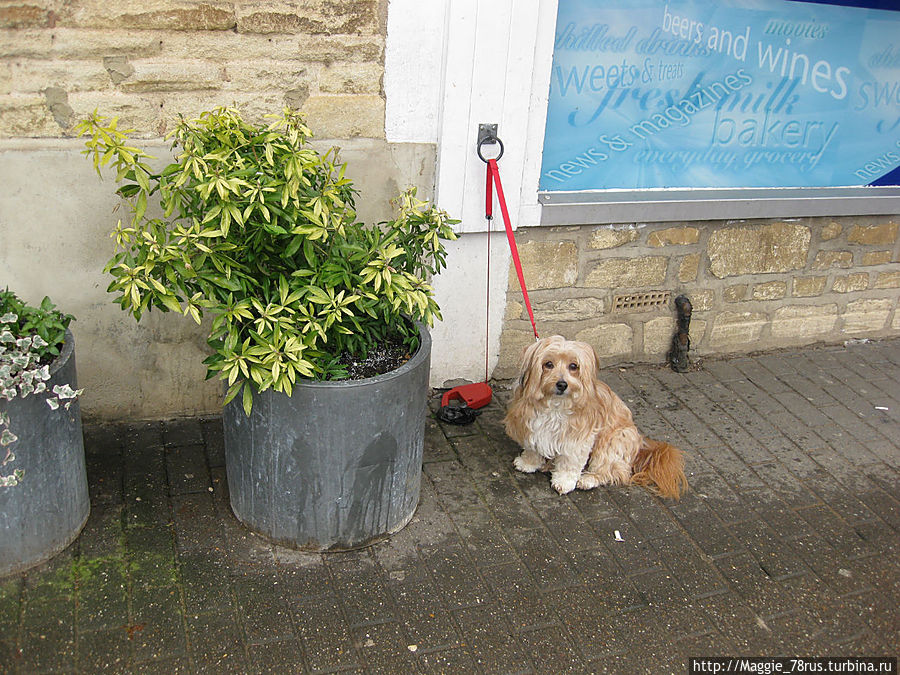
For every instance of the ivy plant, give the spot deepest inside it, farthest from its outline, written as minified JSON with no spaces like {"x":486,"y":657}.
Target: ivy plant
{"x":253,"y":226}
{"x":30,"y":338}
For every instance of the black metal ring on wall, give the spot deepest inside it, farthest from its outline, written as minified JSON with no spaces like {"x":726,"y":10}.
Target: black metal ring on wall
{"x":491,"y":141}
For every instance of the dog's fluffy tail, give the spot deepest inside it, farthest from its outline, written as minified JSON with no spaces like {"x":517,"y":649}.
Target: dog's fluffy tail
{"x":661,"y":465}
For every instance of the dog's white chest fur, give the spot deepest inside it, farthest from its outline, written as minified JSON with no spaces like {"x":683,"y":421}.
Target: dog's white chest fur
{"x":548,"y":431}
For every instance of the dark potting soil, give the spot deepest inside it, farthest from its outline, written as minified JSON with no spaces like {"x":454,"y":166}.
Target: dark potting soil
{"x":381,"y":359}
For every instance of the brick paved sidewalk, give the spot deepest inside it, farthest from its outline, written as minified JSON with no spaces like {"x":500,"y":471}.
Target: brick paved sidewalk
{"x":788,"y":544}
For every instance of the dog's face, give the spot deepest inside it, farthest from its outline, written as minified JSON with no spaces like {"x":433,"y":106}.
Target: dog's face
{"x":558,"y":370}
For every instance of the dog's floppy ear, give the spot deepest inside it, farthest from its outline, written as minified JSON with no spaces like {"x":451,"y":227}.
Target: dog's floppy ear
{"x":530,"y":356}
{"x":591,"y":364}
{"x":595,"y":361}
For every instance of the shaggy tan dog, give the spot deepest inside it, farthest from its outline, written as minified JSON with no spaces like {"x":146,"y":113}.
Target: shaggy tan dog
{"x":572,"y":424}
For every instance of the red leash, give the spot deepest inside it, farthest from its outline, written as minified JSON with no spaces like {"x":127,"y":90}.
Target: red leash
{"x":493,"y":178}
{"x":479,"y":394}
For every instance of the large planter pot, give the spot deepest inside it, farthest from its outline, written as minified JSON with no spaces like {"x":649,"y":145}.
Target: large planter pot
{"x":336,"y":465}
{"x":44,"y":513}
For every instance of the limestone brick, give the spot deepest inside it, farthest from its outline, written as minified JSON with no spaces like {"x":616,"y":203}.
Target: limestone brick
{"x":628,"y":272}
{"x":779,"y":247}
{"x":512,"y":345}
{"x":873,"y":234}
{"x":831,"y":231}
{"x":26,"y":15}
{"x":851,"y":283}
{"x":352,"y":78}
{"x":161,"y":76}
{"x":866,"y":315}
{"x":658,"y":334}
{"x":828,"y":259}
{"x":876,"y":258}
{"x":570,"y":309}
{"x":887,"y":280}
{"x":211,"y":15}
{"x":606,"y":237}
{"x":345,"y":116}
{"x":154,"y":114}
{"x":804,"y":321}
{"x":331,"y":48}
{"x":514,"y":310}
{"x":807,"y":287}
{"x":62,"y":44}
{"x":547,"y":264}
{"x":698,"y":330}
{"x":689,"y":267}
{"x":268,"y":74}
{"x":146,"y":114}
{"x":674,"y":236}
{"x":737,"y":328}
{"x":703,"y":300}
{"x":735,"y":293}
{"x":322,"y":49}
{"x":308,"y":16}
{"x":34,"y":76}
{"x":26,"y":116}
{"x":771,"y":290}
{"x":611,"y":339}
{"x":6,"y":78}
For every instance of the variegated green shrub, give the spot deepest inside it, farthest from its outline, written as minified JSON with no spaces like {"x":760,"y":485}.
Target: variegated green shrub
{"x":258,"y":229}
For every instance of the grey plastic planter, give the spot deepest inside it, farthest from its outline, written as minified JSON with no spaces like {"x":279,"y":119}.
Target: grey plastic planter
{"x":336,"y":465}
{"x":44,"y":513}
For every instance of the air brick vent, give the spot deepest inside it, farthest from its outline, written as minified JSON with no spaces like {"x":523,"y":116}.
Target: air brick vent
{"x":641,"y":302}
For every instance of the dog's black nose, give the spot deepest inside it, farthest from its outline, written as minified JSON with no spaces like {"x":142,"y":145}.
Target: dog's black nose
{"x":561,"y":386}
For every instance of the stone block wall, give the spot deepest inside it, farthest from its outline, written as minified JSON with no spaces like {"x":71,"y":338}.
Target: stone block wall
{"x":148,"y":61}
{"x":753,"y":285}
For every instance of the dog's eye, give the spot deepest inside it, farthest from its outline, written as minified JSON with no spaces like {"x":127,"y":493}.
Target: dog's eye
{"x":573,"y":367}
{"x":548,"y":365}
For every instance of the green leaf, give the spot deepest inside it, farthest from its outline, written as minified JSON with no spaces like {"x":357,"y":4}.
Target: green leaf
{"x":232,"y":392}
{"x":293,"y":247}
{"x":223,"y":282}
{"x":170,"y":302}
{"x":140,"y":207}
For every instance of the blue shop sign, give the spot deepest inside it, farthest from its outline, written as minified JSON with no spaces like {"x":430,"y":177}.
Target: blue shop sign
{"x":652,"y":94}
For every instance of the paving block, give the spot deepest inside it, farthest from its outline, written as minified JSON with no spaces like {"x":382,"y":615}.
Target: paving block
{"x":216,"y":642}
{"x":157,"y":629}
{"x":183,"y":431}
{"x":489,"y":642}
{"x":448,"y":662}
{"x":693,"y":569}
{"x":187,"y":469}
{"x":546,"y":561}
{"x":362,"y":594}
{"x":385,"y":648}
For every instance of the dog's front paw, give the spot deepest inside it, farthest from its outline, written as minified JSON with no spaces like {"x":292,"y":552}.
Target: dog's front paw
{"x":527,"y":464}
{"x":563,"y":483}
{"x":587,"y":481}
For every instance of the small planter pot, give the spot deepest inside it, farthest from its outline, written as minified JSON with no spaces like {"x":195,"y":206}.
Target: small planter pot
{"x":44,"y":513}
{"x":334,"y":466}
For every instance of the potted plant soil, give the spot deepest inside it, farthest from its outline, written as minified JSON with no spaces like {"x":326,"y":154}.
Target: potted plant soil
{"x":43,"y":483}
{"x":258,"y":230}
